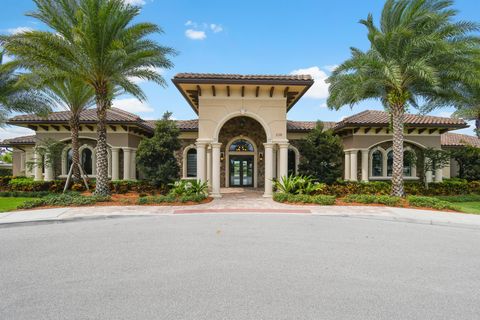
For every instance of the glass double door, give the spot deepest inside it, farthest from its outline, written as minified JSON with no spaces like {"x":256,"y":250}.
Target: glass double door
{"x":241,"y":171}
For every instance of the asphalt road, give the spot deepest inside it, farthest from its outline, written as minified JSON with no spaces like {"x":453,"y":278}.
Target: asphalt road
{"x":239,"y":267}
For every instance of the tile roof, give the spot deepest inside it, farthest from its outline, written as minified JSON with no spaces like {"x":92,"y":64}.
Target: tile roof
{"x":224,"y":76}
{"x":89,"y":115}
{"x":31,"y":139}
{"x":382,"y":118}
{"x":455,"y":140}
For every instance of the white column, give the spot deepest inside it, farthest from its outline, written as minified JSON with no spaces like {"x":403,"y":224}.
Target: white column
{"x":347,"y":165}
{"x":283,"y":159}
{"x":133,"y":163}
{"x":439,"y":175}
{"x":127,"y":156}
{"x":428,"y":176}
{"x":353,"y":165}
{"x":115,"y":164}
{"x":48,"y":170}
{"x":215,"y":156}
{"x":201,"y":163}
{"x":364,"y":165}
{"x":209,"y":166}
{"x":268,"y":169}
{"x":37,"y":168}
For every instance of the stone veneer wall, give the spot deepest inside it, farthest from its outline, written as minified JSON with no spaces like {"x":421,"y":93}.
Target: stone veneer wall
{"x":249,"y":128}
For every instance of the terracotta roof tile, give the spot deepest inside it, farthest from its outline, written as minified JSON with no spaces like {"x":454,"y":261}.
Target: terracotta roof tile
{"x":224,"y":76}
{"x":31,"y":139}
{"x":455,"y":140}
{"x":382,"y":118}
{"x":89,"y":115}
{"x":301,"y":126}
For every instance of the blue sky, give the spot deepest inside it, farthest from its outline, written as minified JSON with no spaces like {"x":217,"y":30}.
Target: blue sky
{"x":247,"y":36}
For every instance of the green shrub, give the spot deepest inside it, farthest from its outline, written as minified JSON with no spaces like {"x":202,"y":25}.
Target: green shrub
{"x":366,"y":198}
{"x":188,"y":187}
{"x":5,"y":172}
{"x":63,"y":200}
{"x":4,"y":180}
{"x":429,"y":202}
{"x":124,"y":186}
{"x":171,"y":198}
{"x":24,"y":194}
{"x":304,"y":198}
{"x":298,"y":185}
{"x":28,"y":184}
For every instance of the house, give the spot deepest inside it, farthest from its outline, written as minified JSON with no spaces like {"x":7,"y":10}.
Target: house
{"x":242,"y":137}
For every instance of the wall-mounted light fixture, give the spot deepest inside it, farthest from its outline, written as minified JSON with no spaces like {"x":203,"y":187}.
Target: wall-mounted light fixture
{"x":260,"y":156}
{"x":222,"y":156}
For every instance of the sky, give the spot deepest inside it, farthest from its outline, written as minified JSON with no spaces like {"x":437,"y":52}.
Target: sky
{"x":246,"y":37}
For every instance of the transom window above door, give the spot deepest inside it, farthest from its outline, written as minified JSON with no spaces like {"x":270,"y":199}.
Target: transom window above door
{"x":241,"y":145}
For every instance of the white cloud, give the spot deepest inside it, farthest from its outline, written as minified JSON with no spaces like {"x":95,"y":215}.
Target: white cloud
{"x":445,"y":114}
{"x":319,"y":90}
{"x":132,"y":105}
{"x":190,"y":23}
{"x":9,"y":132}
{"x":216,"y":27}
{"x":135,"y":2}
{"x":323,"y":105}
{"x":331,"y":67}
{"x":19,"y":30}
{"x":195,"y":34}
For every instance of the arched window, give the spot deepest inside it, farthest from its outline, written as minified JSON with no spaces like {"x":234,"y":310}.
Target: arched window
{"x":86,"y":161}
{"x":390,"y":163}
{"x":408,"y":159}
{"x":241,"y":146}
{"x":377,"y":163}
{"x":192,"y":163}
{"x":69,"y":159}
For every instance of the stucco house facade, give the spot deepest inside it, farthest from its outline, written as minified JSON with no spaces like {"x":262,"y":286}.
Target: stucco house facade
{"x":242,"y":137}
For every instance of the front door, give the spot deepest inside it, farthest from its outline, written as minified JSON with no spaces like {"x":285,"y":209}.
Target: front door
{"x":241,"y":171}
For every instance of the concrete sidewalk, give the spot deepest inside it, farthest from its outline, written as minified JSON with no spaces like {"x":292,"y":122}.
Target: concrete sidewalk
{"x":268,"y":207}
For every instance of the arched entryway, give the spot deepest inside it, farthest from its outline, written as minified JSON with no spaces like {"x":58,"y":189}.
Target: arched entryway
{"x":242,"y":153}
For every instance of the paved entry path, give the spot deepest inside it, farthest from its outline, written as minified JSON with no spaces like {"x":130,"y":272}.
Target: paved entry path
{"x":243,"y":201}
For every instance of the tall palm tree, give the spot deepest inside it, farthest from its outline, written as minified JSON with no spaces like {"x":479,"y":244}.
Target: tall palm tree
{"x":74,"y":96}
{"x":16,"y":95}
{"x":96,"y":42}
{"x":415,"y":53}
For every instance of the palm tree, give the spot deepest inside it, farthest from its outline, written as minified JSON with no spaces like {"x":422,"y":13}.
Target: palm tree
{"x":415,"y":53}
{"x":16,"y":95}
{"x":74,"y":96}
{"x":96,"y":42}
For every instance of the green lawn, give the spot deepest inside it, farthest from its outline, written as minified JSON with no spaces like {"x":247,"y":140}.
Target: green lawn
{"x":468,"y":207}
{"x":11,"y":203}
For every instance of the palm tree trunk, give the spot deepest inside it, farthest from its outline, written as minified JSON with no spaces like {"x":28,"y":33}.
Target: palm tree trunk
{"x":102,"y":183}
{"x":477,"y":127}
{"x":74,"y":127}
{"x":397,"y":174}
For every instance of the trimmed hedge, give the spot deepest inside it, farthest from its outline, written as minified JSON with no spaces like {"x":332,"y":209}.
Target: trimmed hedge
{"x":304,"y":198}
{"x":63,"y":200}
{"x":28,"y":184}
{"x":366,"y":198}
{"x":24,"y":194}
{"x":429,"y":202}
{"x":449,"y":187}
{"x":170,"y":198}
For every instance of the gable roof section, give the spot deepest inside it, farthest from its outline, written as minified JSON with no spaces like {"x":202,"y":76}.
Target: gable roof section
{"x":376,"y":118}
{"x":24,"y":140}
{"x":457,"y":140}
{"x":189,"y":84}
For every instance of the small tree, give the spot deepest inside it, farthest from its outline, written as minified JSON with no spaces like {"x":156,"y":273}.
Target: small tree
{"x":50,"y":155}
{"x":322,"y":154}
{"x":468,"y":159}
{"x":432,"y":160}
{"x":155,"y":156}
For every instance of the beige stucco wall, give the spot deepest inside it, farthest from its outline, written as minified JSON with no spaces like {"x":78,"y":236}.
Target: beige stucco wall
{"x":215,"y":111}
{"x":114,"y":139}
{"x":368,"y":141}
